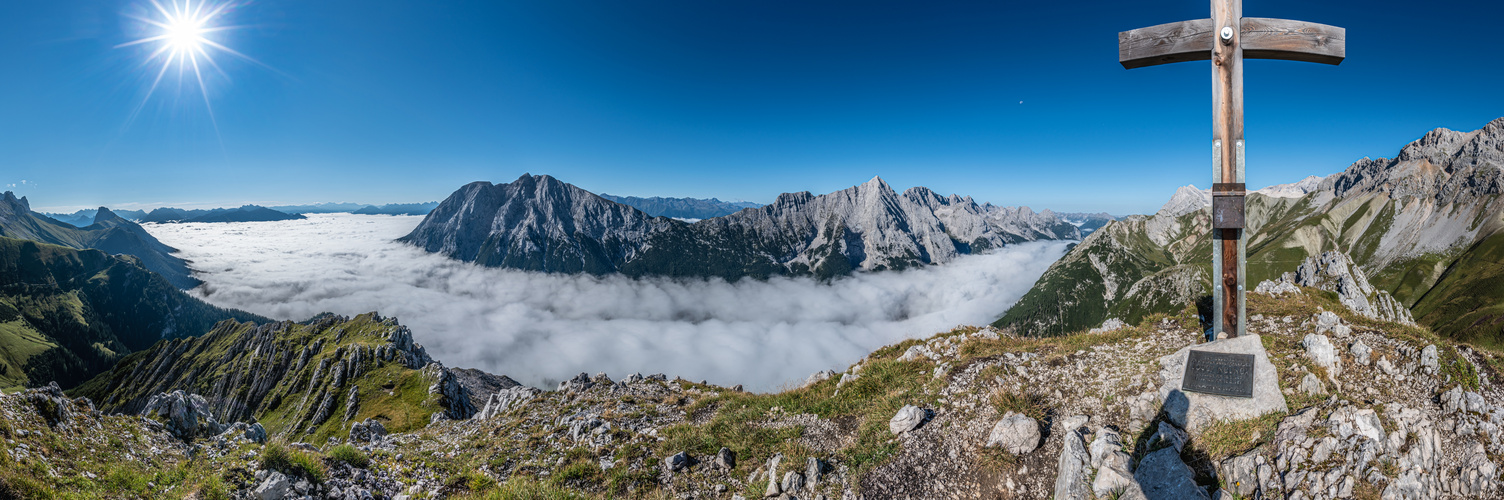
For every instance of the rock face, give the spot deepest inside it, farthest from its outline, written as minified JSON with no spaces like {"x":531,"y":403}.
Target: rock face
{"x":539,"y":223}
{"x":1192,"y":411}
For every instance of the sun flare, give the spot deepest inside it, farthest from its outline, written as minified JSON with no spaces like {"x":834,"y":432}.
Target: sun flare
{"x":182,"y":35}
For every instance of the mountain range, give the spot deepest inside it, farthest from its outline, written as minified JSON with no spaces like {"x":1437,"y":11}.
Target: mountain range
{"x":108,"y":232}
{"x":1423,"y":227}
{"x":682,"y":208}
{"x":540,"y":223}
{"x":247,"y":213}
{"x":358,"y":208}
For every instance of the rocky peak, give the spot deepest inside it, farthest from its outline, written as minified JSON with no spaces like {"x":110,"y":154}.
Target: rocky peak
{"x":1187,"y":199}
{"x":18,"y":205}
{"x":105,"y":215}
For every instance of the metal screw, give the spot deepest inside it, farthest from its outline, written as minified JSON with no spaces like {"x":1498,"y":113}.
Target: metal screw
{"x":1227,"y":34}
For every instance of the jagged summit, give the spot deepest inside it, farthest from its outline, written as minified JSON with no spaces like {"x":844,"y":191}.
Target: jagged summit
{"x":18,"y":205}
{"x":544,"y":224}
{"x":105,"y":215}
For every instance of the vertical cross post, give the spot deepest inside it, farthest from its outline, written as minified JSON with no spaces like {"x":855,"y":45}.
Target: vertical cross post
{"x":1223,"y":39}
{"x":1228,"y":249}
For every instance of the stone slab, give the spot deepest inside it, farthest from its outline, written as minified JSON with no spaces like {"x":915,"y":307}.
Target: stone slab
{"x":1220,"y":373}
{"x":1193,"y":411}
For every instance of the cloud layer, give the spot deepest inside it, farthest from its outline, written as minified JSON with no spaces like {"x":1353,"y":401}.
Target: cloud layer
{"x":542,"y":328}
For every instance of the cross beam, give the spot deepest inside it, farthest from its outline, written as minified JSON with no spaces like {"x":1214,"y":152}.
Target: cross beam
{"x":1226,"y":39}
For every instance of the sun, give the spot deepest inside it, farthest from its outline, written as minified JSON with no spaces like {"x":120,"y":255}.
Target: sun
{"x":185,"y":34}
{"x":182,"y":35}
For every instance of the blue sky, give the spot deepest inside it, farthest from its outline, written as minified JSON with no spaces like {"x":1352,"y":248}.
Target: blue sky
{"x":1017,"y":103}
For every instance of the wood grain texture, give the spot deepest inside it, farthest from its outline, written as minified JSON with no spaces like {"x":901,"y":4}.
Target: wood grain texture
{"x":1166,"y":43}
{"x":1264,"y":38}
{"x":1261,"y":38}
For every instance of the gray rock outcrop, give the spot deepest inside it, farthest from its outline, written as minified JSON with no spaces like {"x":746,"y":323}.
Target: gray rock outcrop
{"x":1334,"y":271}
{"x":504,"y":400}
{"x":185,"y":415}
{"x":368,"y":431}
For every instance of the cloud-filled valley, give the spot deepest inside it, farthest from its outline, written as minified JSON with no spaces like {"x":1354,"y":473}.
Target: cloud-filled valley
{"x":540,"y":328}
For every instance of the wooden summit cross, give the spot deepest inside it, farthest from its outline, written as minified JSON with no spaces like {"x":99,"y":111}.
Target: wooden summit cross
{"x":1226,"y":39}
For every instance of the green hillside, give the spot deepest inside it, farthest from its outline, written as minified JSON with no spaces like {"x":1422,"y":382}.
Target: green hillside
{"x":295,"y":379}
{"x":66,"y":314}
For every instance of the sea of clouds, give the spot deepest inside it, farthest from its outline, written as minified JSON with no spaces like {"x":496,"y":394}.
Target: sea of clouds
{"x":541,"y":328}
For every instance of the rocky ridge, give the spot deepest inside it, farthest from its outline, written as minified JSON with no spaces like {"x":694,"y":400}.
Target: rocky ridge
{"x":308,"y":379}
{"x":1422,"y":227}
{"x":540,"y":223}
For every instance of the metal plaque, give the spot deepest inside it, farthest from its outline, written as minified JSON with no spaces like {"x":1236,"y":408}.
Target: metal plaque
{"x":1220,"y":373}
{"x":1227,"y":212}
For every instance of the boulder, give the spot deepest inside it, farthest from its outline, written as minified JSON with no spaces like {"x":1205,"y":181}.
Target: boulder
{"x":792,"y":481}
{"x":818,"y":377}
{"x":1016,"y":433}
{"x":1111,"y":324}
{"x":1162,"y":475}
{"x":241,"y":430}
{"x":52,"y":404}
{"x":908,"y":418}
{"x":813,"y":469}
{"x":1312,"y":385}
{"x":678,"y":461}
{"x":1169,"y":436}
{"x":1113,"y":479}
{"x":1349,"y":421}
{"x":499,"y":402}
{"x":276,"y":487}
{"x":725,"y":458}
{"x":185,"y":415}
{"x":369,"y":431}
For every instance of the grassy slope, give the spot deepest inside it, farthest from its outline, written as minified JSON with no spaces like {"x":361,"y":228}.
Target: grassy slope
{"x":90,"y":307}
{"x":215,"y":364}
{"x":1465,"y":304}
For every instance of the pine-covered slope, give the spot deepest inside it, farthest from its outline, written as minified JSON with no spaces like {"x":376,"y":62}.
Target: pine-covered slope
{"x":1423,"y":227}
{"x":66,"y":314}
{"x":301,"y":380}
{"x":109,"y":233}
{"x":540,"y":223}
